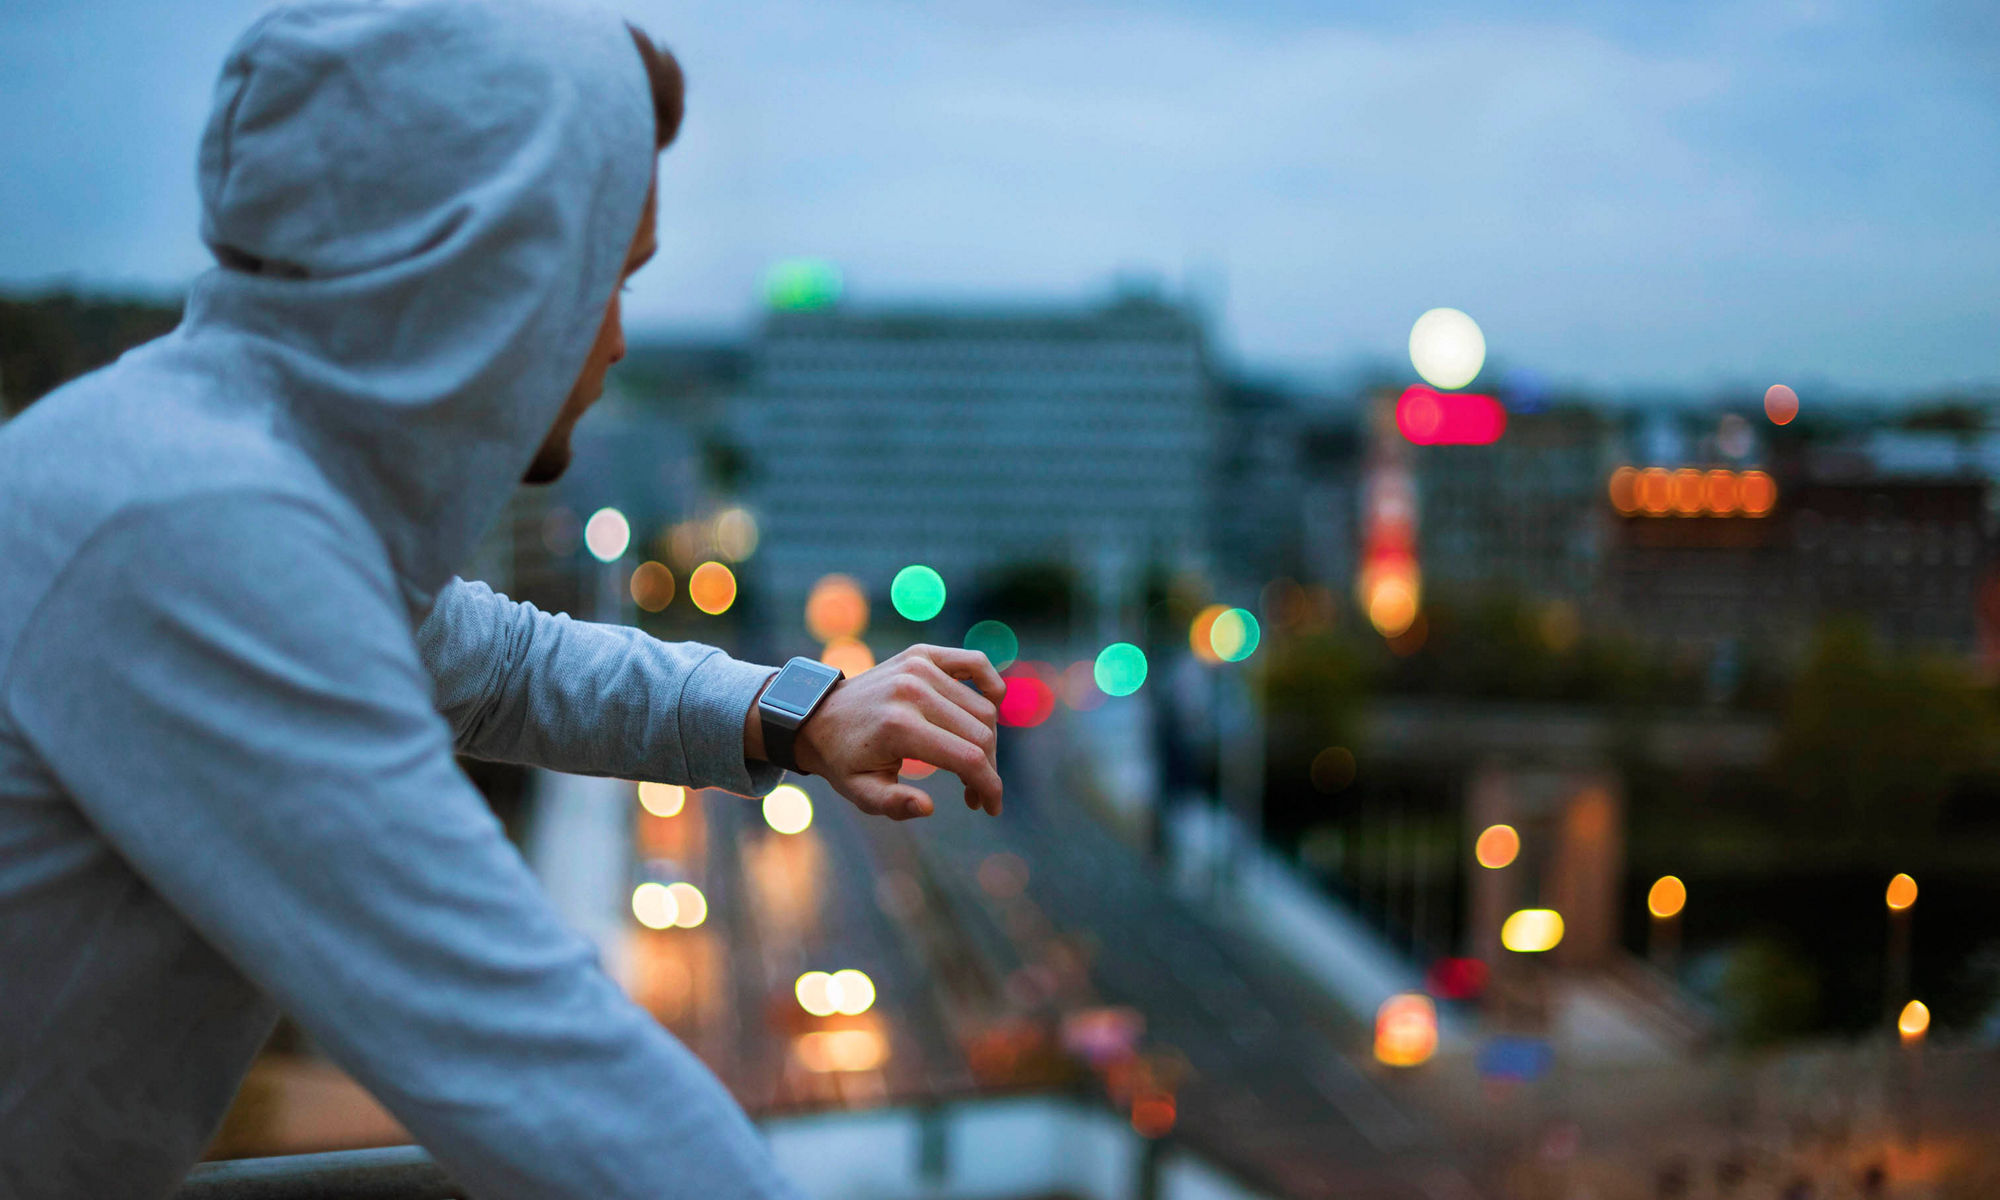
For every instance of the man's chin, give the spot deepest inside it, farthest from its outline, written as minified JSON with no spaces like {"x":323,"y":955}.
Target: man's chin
{"x":549,"y":465}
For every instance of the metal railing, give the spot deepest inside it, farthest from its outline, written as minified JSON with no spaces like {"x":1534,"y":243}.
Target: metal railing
{"x":393,"y":1173}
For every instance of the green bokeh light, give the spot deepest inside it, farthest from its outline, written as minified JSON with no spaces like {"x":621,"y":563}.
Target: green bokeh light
{"x":996,"y":641}
{"x":802,"y":285}
{"x":1235,"y":635}
{"x":917,"y":593}
{"x":1121,"y":668}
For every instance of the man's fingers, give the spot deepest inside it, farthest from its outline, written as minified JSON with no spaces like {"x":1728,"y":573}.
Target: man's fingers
{"x":975,"y":703}
{"x":944,"y":711}
{"x":970,"y":665}
{"x":929,"y":743}
{"x":883,"y":798}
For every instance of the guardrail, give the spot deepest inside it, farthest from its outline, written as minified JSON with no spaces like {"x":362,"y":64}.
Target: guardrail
{"x":394,"y":1173}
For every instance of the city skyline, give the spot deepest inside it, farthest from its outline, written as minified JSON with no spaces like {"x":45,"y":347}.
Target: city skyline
{"x":1745,"y":194}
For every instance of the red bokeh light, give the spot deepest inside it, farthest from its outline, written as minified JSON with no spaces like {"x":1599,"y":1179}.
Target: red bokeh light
{"x":1029,"y":699}
{"x":1428,"y":417}
{"x":1456,"y":978}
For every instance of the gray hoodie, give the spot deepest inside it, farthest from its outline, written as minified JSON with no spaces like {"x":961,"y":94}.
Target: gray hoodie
{"x":234,"y":664}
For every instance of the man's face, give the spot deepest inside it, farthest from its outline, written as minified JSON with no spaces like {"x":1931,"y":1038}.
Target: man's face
{"x":552,"y":459}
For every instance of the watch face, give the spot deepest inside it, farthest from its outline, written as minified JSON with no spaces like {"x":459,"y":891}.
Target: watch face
{"x":796,"y":688}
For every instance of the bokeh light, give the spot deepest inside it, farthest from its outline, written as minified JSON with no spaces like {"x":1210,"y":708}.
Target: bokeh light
{"x":1532,"y":930}
{"x":918,"y":593}
{"x":1120,"y":669}
{"x":1199,"y":633}
{"x":788,"y":809}
{"x":1447,"y":348}
{"x":1332,"y":769}
{"x":849,"y":656}
{"x":996,"y":640}
{"x":735,"y":534}
{"x":1656,"y":491}
{"x":1757,"y":492}
{"x":1914,"y":1021}
{"x":690,"y":906}
{"x":837,"y":608}
{"x":607,"y":534}
{"x":814,"y":990}
{"x":1496,"y":846}
{"x":712,"y":588}
{"x":1079,"y":687}
{"x":802,"y":285}
{"x":662,"y":799}
{"x":1153,"y":1115}
{"x":1667,"y":897}
{"x":1406,"y":1030}
{"x":654,"y":906}
{"x":1902,"y":893}
{"x":1427,"y":417}
{"x":652,"y":586}
{"x":852,"y":992}
{"x":1720,"y":493}
{"x":1029,"y":698}
{"x":916,"y":769}
{"x":1235,"y":635}
{"x":1392,"y":605}
{"x":1690,"y":492}
{"x":1781,"y":404}
{"x":1624,"y":490}
{"x":824,"y":1051}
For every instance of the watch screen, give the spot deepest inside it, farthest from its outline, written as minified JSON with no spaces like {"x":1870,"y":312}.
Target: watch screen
{"x":795,"y":688}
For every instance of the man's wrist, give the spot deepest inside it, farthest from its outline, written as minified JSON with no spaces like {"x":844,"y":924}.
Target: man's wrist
{"x":753,"y":726}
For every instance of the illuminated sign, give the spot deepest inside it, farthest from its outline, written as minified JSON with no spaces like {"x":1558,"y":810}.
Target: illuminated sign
{"x":1687,"y":492}
{"x":1428,"y":417}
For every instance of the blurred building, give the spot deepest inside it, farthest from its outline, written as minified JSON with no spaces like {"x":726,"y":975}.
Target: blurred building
{"x":1523,"y":513}
{"x":973,"y":440}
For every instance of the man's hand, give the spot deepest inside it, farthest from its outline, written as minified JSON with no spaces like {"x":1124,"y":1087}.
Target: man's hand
{"x":909,"y":706}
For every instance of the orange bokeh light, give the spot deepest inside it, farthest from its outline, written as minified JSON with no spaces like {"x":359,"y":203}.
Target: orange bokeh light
{"x":1758,"y":492}
{"x":1902,"y":893}
{"x":1689,"y":492}
{"x":1625,"y":490}
{"x":1721,"y":496}
{"x":849,"y":656}
{"x":913,"y":769}
{"x":1202,"y":630}
{"x":652,"y":586}
{"x":1497,"y":846}
{"x":1781,"y":404}
{"x":1153,"y":1115}
{"x":1667,"y":897}
{"x":1406,"y":1030}
{"x":836,"y":609}
{"x":1656,"y":490}
{"x":712,"y":587}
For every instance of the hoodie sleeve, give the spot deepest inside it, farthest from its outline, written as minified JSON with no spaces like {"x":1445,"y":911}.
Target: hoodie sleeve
{"x":522,"y":685}
{"x":229,"y":691}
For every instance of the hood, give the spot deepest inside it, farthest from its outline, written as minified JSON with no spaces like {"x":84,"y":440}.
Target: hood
{"x":422,"y":210}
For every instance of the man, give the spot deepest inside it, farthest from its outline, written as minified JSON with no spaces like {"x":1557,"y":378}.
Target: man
{"x":234,"y":663}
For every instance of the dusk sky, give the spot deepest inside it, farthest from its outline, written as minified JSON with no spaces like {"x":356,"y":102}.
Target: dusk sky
{"x":1626,"y":197}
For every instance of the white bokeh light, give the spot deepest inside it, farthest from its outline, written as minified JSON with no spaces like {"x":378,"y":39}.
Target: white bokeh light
{"x":1447,"y":348}
{"x":607,"y":534}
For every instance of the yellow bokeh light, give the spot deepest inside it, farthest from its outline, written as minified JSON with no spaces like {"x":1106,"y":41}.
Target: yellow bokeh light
{"x":735,"y":534}
{"x":712,"y":587}
{"x":788,"y":809}
{"x":827,"y":1050}
{"x":1667,"y":897}
{"x":1447,"y":348}
{"x":607,"y":534}
{"x":690,"y":906}
{"x":1406,"y":1030}
{"x":662,"y":799}
{"x":1532,"y":930}
{"x":852,"y":992}
{"x":849,"y":656}
{"x":815,"y":992}
{"x":652,"y":586}
{"x":1497,"y":846}
{"x":1901,"y":894}
{"x":654,"y":906}
{"x":1392,"y":606}
{"x":1914,"y":1021}
{"x":837,"y":608}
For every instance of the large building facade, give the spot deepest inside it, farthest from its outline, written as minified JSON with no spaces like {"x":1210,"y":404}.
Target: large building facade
{"x":974,"y":442}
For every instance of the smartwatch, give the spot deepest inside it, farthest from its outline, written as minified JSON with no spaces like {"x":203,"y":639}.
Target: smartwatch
{"x":790,"y":698}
